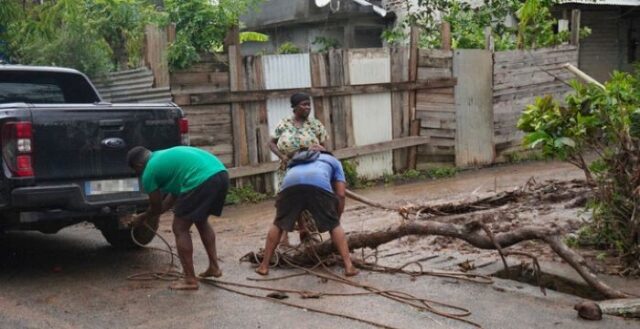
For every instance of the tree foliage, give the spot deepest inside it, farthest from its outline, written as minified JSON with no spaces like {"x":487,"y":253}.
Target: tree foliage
{"x":604,"y":122}
{"x":93,"y":36}
{"x":536,"y":25}
{"x":201,"y":26}
{"x":96,"y":36}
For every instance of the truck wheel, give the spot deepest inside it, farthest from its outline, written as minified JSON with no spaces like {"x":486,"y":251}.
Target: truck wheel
{"x":121,"y":237}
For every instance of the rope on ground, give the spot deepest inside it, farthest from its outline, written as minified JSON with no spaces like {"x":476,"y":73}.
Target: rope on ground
{"x":170,"y":274}
{"x":421,"y":304}
{"x":219,"y":284}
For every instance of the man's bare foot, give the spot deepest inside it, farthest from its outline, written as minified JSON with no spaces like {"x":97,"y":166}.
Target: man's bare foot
{"x":211,"y":272}
{"x":184,"y":285}
{"x":351,"y":271}
{"x":262,"y":271}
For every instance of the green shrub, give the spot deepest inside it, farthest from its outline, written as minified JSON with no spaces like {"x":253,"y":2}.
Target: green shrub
{"x":244,"y":194}
{"x":601,"y":121}
{"x":442,"y":172}
{"x":288,"y":48}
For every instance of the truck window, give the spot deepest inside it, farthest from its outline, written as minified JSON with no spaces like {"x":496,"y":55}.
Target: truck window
{"x":45,"y":88}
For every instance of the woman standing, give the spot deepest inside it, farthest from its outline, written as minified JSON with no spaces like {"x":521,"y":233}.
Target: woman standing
{"x":297,"y":131}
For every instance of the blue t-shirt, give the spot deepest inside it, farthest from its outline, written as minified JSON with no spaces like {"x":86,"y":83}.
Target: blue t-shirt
{"x":320,"y":173}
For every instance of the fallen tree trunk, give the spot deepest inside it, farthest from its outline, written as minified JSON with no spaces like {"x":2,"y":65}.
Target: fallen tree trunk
{"x":629,"y":307}
{"x":470,"y":233}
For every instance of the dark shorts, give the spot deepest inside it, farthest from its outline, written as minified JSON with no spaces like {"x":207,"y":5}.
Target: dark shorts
{"x":204,"y":200}
{"x":321,"y":204}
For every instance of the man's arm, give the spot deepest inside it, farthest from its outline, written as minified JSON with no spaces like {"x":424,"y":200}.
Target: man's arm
{"x":156,"y":208}
{"x":339,"y":189}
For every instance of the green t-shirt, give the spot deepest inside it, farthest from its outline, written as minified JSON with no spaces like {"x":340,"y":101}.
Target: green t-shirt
{"x":179,"y":169}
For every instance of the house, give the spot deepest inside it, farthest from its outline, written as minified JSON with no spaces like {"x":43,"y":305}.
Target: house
{"x":615,"y":34}
{"x":313,"y":24}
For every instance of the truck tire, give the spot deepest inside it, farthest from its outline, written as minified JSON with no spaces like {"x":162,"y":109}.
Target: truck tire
{"x":121,"y":237}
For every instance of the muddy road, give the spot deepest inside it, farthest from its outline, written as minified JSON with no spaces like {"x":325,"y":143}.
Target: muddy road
{"x":74,"y":279}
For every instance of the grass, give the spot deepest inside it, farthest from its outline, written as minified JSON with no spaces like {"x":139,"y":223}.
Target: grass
{"x":524,"y":156}
{"x":245,"y":194}
{"x":355,"y":181}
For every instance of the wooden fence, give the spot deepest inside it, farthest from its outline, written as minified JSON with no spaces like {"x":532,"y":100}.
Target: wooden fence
{"x":459,"y":107}
{"x":458,"y":136}
{"x":519,"y":77}
{"x":233,"y":105}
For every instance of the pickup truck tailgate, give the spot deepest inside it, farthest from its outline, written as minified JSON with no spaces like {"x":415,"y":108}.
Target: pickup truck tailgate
{"x":91,"y":140}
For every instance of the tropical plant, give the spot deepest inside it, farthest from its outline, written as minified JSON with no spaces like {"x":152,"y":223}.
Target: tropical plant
{"x":201,"y":26}
{"x":9,"y":12}
{"x":249,"y":36}
{"x":326,"y":43}
{"x":60,"y":33}
{"x":536,"y":25}
{"x":121,"y":23}
{"x":288,"y":48}
{"x":394,"y":35}
{"x":604,"y":122}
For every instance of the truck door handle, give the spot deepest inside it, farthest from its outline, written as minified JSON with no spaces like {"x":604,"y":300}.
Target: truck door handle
{"x":113,"y":124}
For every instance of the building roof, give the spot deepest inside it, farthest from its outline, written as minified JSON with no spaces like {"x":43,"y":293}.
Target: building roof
{"x":604,"y":2}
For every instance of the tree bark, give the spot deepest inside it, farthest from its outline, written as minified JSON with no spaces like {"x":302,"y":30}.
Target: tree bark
{"x":472,"y":234}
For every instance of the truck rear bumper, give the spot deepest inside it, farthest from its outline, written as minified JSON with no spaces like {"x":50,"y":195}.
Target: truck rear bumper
{"x":70,"y":197}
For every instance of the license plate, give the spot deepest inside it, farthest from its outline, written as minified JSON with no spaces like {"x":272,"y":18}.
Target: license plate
{"x":96,"y":187}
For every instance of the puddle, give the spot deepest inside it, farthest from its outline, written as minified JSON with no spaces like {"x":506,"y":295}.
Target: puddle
{"x":525,"y":274}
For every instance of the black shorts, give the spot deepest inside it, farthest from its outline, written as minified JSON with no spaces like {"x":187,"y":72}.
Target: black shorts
{"x":321,"y":204}
{"x":206,"y":199}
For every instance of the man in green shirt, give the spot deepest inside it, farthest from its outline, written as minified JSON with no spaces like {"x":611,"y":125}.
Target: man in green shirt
{"x":196,"y":182}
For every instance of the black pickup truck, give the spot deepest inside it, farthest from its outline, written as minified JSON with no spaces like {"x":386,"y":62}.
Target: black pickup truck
{"x":64,"y":152}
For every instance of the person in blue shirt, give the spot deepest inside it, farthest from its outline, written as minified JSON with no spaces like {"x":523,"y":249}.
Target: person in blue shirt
{"x":314,"y":182}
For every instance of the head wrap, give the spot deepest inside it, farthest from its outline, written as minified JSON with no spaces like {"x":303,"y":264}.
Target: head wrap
{"x":298,"y":98}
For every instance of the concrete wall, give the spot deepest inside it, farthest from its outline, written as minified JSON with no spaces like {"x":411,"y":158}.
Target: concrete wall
{"x":301,"y":22}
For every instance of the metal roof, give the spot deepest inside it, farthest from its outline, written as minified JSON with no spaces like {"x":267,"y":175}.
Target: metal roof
{"x":604,"y":2}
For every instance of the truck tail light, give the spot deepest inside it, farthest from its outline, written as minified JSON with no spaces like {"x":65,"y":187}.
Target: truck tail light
{"x":17,"y":147}
{"x":184,"y":131}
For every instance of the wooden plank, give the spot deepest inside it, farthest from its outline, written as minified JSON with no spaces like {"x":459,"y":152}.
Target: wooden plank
{"x":438,"y":124}
{"x":575,"y":28}
{"x":399,"y":104}
{"x":251,"y":110}
{"x":445,"y":35}
{"x":345,"y":153}
{"x":543,"y":62}
{"x":182,"y":99}
{"x":191,"y":78}
{"x":474,"y":107}
{"x":319,"y":63}
{"x":156,"y":54}
{"x":511,"y":55}
{"x":414,"y":128}
{"x":424,"y":107}
{"x":425,"y":73}
{"x":334,"y":91}
{"x":424,"y":96}
{"x":240,"y":149}
{"x":204,"y":88}
{"x":425,"y":54}
{"x":340,"y":110}
{"x":440,"y":115}
{"x":435,"y":62}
